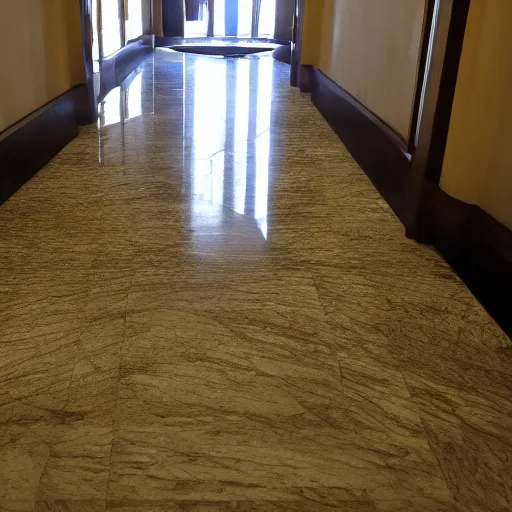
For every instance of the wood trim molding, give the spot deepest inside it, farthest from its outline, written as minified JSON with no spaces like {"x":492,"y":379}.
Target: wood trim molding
{"x":305,"y":78}
{"x":378,"y":149}
{"x":173,"y":18}
{"x":438,"y":100}
{"x":44,"y":133}
{"x":476,"y":246}
{"x":429,"y":25}
{"x":298,"y":30}
{"x":88,"y":111}
{"x":211,"y":19}
{"x":157,"y":18}
{"x":284,"y":19}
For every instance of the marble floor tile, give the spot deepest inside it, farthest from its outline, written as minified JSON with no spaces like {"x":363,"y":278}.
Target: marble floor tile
{"x":77,"y":464}
{"x":24,"y":456}
{"x":148,"y":461}
{"x":469,"y":432}
{"x":409,"y":505}
{"x":205,"y":305}
{"x":46,"y":463}
{"x":39,"y":343}
{"x":70,"y":506}
{"x":227,"y":497}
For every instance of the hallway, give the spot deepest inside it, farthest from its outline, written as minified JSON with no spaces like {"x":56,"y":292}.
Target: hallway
{"x":205,"y":305}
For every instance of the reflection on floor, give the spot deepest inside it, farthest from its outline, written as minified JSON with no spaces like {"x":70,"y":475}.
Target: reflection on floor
{"x":205,"y":305}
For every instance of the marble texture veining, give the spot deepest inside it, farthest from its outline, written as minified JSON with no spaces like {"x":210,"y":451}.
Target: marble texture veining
{"x":205,"y":305}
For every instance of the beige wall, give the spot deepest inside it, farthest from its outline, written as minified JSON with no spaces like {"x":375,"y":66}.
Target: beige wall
{"x":478,"y":166}
{"x":312,"y":31}
{"x":42,"y":56}
{"x":371,"y":48}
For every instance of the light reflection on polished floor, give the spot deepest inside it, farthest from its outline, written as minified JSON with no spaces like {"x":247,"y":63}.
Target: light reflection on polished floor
{"x":205,"y":305}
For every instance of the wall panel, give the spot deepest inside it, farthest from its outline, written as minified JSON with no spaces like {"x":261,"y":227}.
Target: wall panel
{"x":42,"y":55}
{"x":371,"y":48}
{"x":477,"y":167}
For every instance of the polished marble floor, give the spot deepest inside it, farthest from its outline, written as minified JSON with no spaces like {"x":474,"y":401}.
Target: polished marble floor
{"x":206,"y":306}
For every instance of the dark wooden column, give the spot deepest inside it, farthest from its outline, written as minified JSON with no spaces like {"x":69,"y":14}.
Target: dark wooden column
{"x":86,"y":103}
{"x":433,"y":118}
{"x":298,"y":28}
{"x":256,"y":9}
{"x":284,"y":19}
{"x":211,"y":18}
{"x":173,"y":18}
{"x":192,"y":10}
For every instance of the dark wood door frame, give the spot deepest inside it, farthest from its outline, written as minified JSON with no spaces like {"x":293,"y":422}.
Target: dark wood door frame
{"x":441,"y":50}
{"x":298,"y":29}
{"x":211,"y":18}
{"x":425,"y":61}
{"x":284,"y":20}
{"x":88,"y":112}
{"x":436,"y":96}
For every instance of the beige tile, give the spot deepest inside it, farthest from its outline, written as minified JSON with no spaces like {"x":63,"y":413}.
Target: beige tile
{"x":43,"y":463}
{"x":212,"y":496}
{"x":77,"y":465}
{"x":148,"y":461}
{"x":410,"y":505}
{"x":297,"y":505}
{"x":376,"y":396}
{"x":198,"y":317}
{"x":70,"y":506}
{"x":469,"y":433}
{"x":23,"y":457}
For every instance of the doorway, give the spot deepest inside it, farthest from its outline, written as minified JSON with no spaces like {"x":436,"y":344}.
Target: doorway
{"x":116,"y":23}
{"x":245,"y":19}
{"x":230,"y":18}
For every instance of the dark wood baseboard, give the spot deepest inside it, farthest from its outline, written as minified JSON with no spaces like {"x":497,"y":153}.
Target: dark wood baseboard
{"x":445,"y":49}
{"x":114,"y":69}
{"x":381,"y":152}
{"x":476,"y":246}
{"x":305,"y":78}
{"x":85,"y":105}
{"x":29,"y":144}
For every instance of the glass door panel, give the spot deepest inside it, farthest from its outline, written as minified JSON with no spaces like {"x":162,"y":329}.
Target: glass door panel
{"x":219,"y":27}
{"x":134,"y":25}
{"x":267,"y":19}
{"x":245,"y":9}
{"x":244,"y":18}
{"x":111,"y":33}
{"x":96,"y":53}
{"x":196,"y":18}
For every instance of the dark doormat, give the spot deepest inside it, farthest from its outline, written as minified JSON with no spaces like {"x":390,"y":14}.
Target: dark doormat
{"x":224,"y":51}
